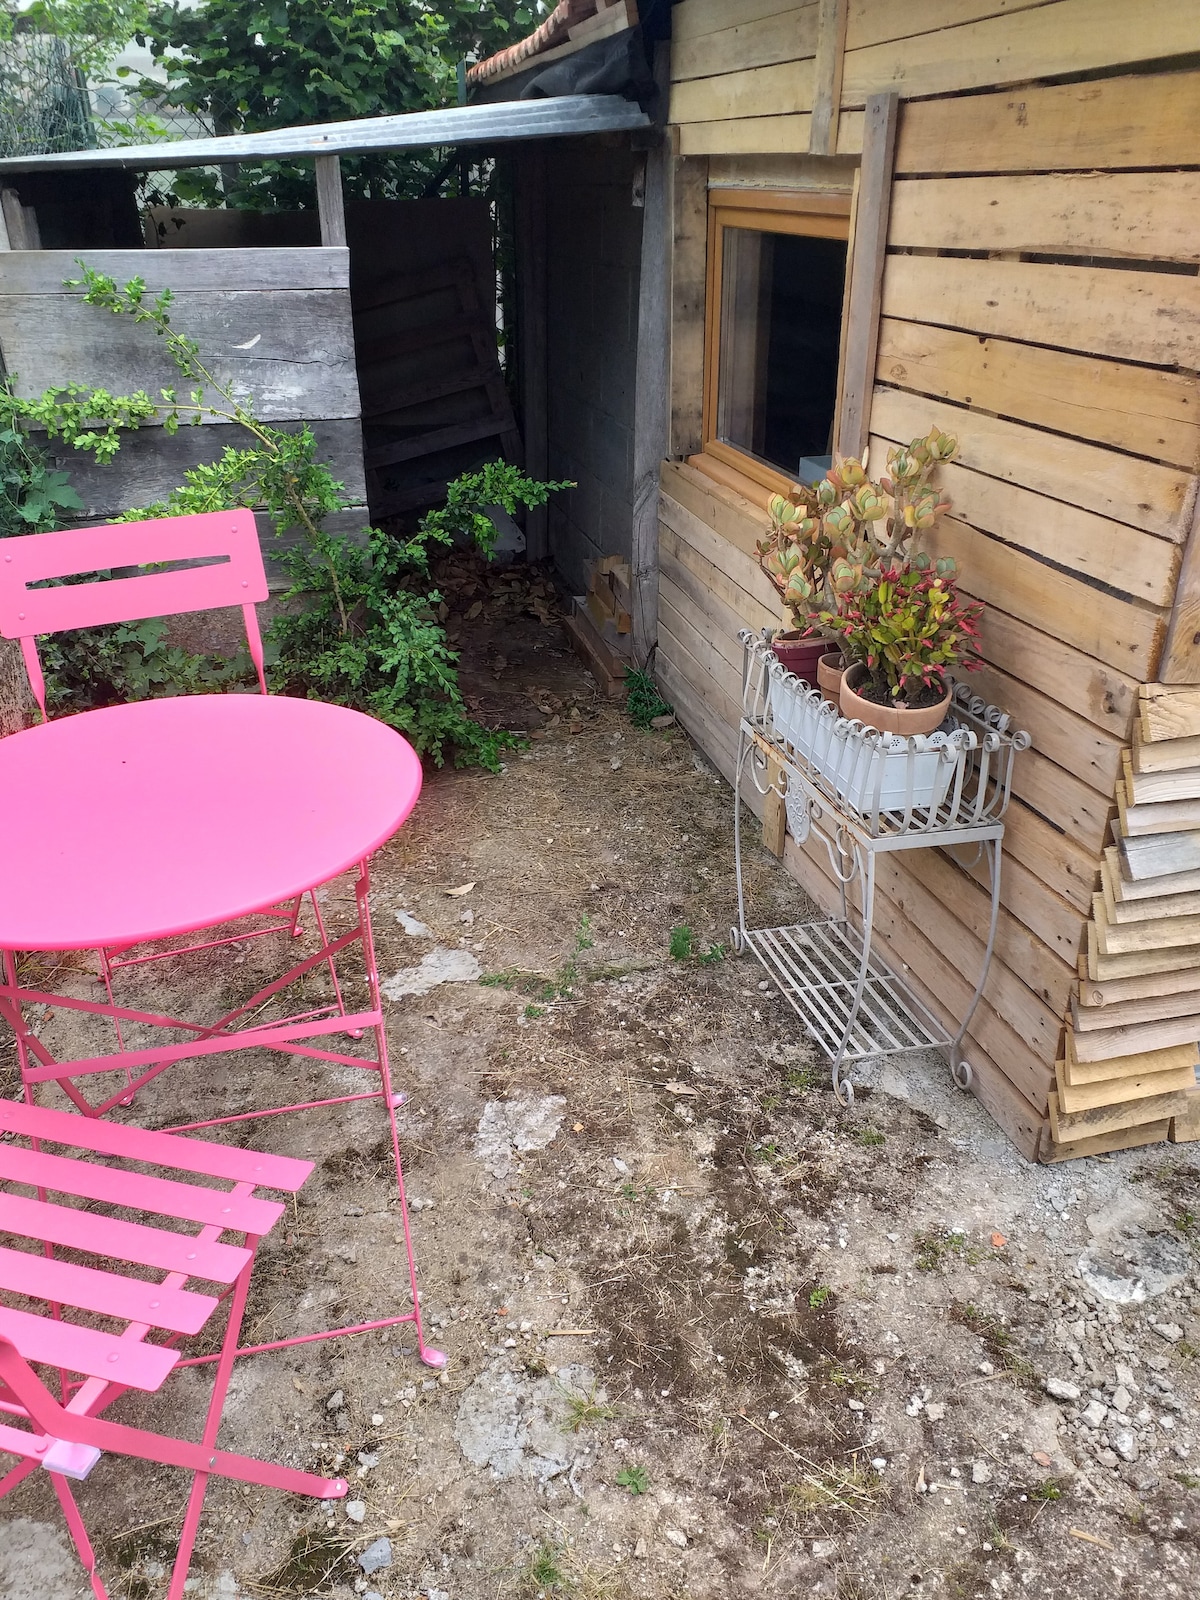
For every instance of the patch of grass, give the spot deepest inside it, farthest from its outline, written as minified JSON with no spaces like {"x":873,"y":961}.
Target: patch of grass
{"x":1189,"y":1480}
{"x":1046,"y":1491}
{"x":800,"y":1079}
{"x":935,"y":1246}
{"x":842,"y":1488}
{"x":635,"y":1479}
{"x":996,"y":1339}
{"x":1188,"y":1224}
{"x":584,"y":1410}
{"x":318,"y":1559}
{"x":680,"y":944}
{"x":535,"y":984}
{"x":871,"y":1137}
{"x":629,"y":1191}
{"x":819,"y":1296}
{"x":533,"y":1012}
{"x":767,"y":1150}
{"x":1186,"y":1350}
{"x":642,"y":699}
{"x":545,"y":1574}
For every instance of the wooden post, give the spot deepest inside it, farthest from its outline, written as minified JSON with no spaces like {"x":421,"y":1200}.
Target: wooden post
{"x":651,"y":411}
{"x":689,"y":284}
{"x":827,"y":91}
{"x":1181,"y":651}
{"x":331,"y":206}
{"x":866,"y":274}
{"x":20,"y":226}
{"x":532,"y":374}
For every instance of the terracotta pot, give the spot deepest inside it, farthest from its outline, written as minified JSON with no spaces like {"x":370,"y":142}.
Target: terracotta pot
{"x":888,"y":719}
{"x":799,"y":655}
{"x":830,"y":668}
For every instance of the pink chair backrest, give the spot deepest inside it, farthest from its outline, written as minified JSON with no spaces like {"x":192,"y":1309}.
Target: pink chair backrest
{"x":228,"y":540}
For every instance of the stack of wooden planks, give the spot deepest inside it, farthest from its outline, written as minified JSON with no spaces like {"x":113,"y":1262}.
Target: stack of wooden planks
{"x":601,"y":626}
{"x":1128,"y":1072}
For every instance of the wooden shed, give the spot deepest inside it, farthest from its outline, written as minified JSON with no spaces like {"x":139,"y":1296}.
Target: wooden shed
{"x":1010,"y":191}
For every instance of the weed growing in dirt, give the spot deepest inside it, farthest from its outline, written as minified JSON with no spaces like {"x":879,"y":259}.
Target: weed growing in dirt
{"x":531,"y":1012}
{"x":819,"y":1296}
{"x":585,"y":1409}
{"x":995,"y":1338}
{"x":844,"y":1489}
{"x":871,"y":1137}
{"x":642,"y":699}
{"x":545,"y":1575}
{"x":1186,"y":1350}
{"x":683,"y":948}
{"x":1046,"y":1491}
{"x":935,"y":1246}
{"x":560,"y":984}
{"x":318,"y":1558}
{"x":800,"y":1080}
{"x":1188,"y":1480}
{"x":635,"y":1479}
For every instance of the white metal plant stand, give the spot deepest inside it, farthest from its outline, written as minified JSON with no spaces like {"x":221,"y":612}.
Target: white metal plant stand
{"x":861,"y":792}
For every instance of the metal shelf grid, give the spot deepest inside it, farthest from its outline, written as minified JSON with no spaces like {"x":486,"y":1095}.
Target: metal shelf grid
{"x":858,"y":793}
{"x":815,"y":966}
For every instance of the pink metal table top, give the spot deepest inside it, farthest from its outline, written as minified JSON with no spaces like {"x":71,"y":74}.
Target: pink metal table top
{"x":148,"y":820}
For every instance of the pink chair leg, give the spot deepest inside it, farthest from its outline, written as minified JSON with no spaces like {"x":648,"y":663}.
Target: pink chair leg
{"x":79,"y":1534}
{"x":430,"y":1356}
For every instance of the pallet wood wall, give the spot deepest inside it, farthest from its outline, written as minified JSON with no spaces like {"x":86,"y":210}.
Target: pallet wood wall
{"x":1039,"y":301}
{"x":274,"y":322}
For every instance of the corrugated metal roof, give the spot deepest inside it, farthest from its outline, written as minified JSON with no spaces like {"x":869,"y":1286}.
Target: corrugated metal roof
{"x":416,"y":130}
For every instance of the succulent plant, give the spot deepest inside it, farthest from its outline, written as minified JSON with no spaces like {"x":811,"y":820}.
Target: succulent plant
{"x":831,"y":540}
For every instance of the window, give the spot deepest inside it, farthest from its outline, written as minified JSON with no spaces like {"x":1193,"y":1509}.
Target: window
{"x":776,"y":284}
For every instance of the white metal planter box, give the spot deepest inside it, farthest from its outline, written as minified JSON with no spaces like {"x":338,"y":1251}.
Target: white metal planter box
{"x":870,"y":771}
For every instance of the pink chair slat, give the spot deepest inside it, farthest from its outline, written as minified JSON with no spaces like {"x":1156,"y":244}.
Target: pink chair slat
{"x":186,"y":1201}
{"x":123,"y":1241}
{"x":108,"y":1293}
{"x":19,"y":1442}
{"x":96,"y":1355}
{"x":238,"y":579}
{"x":164,"y":1149}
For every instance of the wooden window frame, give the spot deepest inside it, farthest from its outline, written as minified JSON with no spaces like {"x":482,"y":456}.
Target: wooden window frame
{"x":824,"y":215}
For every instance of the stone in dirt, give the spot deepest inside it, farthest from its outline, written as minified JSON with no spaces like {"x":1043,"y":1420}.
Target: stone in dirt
{"x":511,"y":1423}
{"x":1060,"y":1389}
{"x":1125,"y":1444}
{"x":1170,"y":1331}
{"x":1094,"y":1414}
{"x":38,"y":1563}
{"x":356,"y":1510}
{"x":980,"y":1472}
{"x":439,"y":966}
{"x":528,"y":1122}
{"x":376,"y":1556}
{"x":676,"y":1538}
{"x":1130,"y":1268}
{"x":412,"y":927}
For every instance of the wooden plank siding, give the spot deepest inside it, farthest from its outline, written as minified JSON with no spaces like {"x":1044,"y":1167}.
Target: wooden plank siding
{"x":1040,"y":301}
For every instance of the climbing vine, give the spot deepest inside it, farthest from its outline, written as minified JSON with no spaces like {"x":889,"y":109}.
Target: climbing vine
{"x":359,"y":624}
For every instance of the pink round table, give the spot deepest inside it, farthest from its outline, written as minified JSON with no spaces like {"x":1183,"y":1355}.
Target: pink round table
{"x":166,"y":816}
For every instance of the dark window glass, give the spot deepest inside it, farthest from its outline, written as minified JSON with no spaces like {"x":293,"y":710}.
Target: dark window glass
{"x":781,"y":318}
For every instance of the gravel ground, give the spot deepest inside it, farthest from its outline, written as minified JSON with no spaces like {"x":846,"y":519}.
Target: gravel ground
{"x":709,"y":1333}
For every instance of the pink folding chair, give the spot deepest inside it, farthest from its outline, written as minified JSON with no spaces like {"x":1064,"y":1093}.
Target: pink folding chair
{"x":54,"y":1423}
{"x":133,"y":827}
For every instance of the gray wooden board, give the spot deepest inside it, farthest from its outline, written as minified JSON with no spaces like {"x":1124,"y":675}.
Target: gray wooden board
{"x":1155,"y":854}
{"x":43,"y":271}
{"x":300,"y":360}
{"x":151,"y":462}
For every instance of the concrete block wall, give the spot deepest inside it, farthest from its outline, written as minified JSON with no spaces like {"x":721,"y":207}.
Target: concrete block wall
{"x":594,"y":236}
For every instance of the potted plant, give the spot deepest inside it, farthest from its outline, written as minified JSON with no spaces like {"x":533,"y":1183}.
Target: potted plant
{"x":788,"y":556}
{"x":829,"y":539}
{"x":902,"y":632}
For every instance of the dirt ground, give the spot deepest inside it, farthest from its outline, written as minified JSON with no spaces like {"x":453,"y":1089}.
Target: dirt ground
{"x":708,"y":1332}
